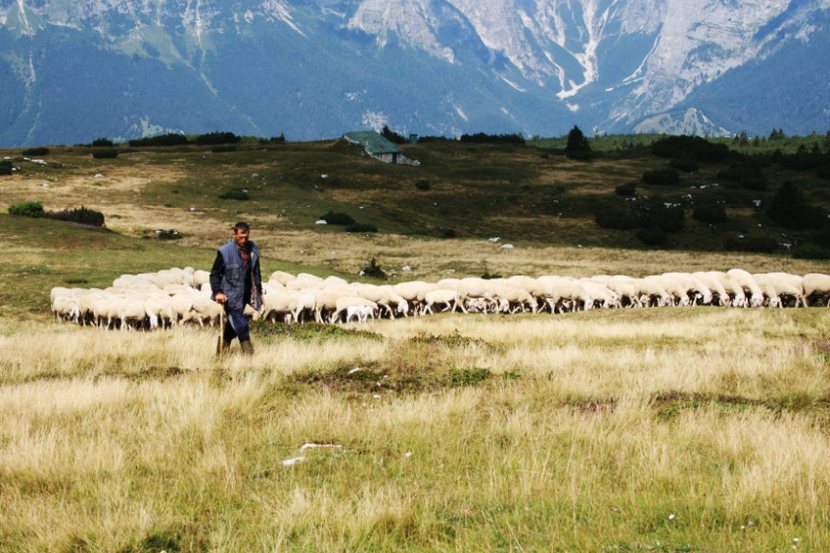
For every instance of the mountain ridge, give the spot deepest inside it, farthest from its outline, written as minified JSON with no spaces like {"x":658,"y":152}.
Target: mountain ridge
{"x":317,"y":68}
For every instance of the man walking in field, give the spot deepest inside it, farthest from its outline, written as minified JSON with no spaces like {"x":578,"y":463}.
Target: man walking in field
{"x":236,"y":281}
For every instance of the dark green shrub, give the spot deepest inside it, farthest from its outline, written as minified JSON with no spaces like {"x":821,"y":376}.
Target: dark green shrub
{"x":373,"y":270}
{"x":669,"y":219}
{"x":360,"y":227}
{"x":690,"y":147}
{"x":5,"y":167}
{"x":709,"y":213}
{"x":760,"y":244}
{"x":80,"y":215}
{"x":789,"y":209}
{"x":212,"y":138}
{"x":171,"y":234}
{"x":105,"y":153}
{"x":756,"y":184}
{"x":223,"y":149}
{"x":102,"y":143}
{"x":39,"y":151}
{"x":653,"y":236}
{"x":484,"y":138}
{"x":423,"y":185}
{"x":27,"y":209}
{"x":170,"y":139}
{"x":617,"y":217}
{"x":446,"y":232}
{"x":661,"y":176}
{"x":685,"y":165}
{"x":333,"y":218}
{"x":822,"y":237}
{"x":824,"y":172}
{"x":811,"y":251}
{"x":628,"y":189}
{"x":748,"y":176}
{"x":238,"y":195}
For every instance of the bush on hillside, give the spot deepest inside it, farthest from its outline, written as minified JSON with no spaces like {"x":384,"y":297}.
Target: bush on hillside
{"x":444,"y":232}
{"x":212,"y":138}
{"x":423,"y":185}
{"x":662,"y":177}
{"x":748,"y":176}
{"x":102,"y":143}
{"x":484,"y":138}
{"x":80,"y":215}
{"x":27,"y":209}
{"x":170,"y":139}
{"x":105,"y":153}
{"x":617,"y":217}
{"x":360,"y":227}
{"x":790,"y":209}
{"x":811,"y":251}
{"x":685,"y":165}
{"x":238,"y":195}
{"x":760,"y":244}
{"x":333,"y":218}
{"x":5,"y":167}
{"x":709,"y":213}
{"x":39,"y":151}
{"x":628,"y":189}
{"x":692,"y":148}
{"x":668,"y":219}
{"x":653,"y":236}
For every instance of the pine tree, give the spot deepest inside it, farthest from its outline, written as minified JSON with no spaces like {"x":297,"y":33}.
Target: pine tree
{"x":577,"y":142}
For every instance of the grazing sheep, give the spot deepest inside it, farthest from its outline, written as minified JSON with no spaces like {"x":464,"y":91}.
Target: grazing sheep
{"x":346,"y":303}
{"x":745,"y":280}
{"x":449,"y":298}
{"x":817,"y":288}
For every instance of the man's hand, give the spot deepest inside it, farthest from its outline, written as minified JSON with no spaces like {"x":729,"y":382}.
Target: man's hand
{"x":221,"y":298}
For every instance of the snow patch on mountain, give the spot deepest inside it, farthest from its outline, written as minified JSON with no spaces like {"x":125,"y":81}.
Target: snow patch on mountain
{"x":279,"y":11}
{"x":411,"y":21}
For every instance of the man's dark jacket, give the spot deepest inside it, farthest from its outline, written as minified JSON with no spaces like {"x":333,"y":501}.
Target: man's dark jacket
{"x":229,"y":277}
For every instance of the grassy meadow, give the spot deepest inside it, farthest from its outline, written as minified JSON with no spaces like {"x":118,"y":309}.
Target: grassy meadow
{"x":699,"y":429}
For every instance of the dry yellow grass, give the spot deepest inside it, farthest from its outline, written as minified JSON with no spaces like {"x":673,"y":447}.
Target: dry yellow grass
{"x":661,"y":429}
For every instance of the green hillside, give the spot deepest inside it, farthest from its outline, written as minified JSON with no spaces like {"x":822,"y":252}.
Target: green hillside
{"x":530,"y":193}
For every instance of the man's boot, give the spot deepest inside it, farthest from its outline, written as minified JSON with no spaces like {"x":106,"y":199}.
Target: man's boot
{"x":222,"y":346}
{"x":247,"y":347}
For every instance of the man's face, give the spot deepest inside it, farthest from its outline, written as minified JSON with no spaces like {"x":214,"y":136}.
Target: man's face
{"x":241,"y":237}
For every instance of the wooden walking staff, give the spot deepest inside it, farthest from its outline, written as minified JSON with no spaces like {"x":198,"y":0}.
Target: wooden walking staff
{"x":222,"y":331}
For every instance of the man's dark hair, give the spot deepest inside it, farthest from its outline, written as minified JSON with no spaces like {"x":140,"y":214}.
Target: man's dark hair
{"x":241,"y":226}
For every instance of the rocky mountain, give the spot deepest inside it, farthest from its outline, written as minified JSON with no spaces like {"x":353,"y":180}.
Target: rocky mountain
{"x":72,"y":71}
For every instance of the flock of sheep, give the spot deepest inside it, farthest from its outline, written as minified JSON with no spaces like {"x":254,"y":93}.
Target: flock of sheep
{"x":182,"y":296}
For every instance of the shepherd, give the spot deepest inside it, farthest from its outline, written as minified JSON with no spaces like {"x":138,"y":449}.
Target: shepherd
{"x":236,"y":281}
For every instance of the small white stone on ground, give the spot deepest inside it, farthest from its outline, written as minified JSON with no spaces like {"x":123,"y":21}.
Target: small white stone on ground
{"x":293,"y":461}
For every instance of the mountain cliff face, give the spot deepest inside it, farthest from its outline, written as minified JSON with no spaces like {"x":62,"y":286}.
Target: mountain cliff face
{"x":71,"y":71}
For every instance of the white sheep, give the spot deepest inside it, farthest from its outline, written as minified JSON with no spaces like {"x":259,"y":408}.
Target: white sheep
{"x":352,"y":303}
{"x":449,"y":298}
{"x":817,"y":287}
{"x":745,"y":280}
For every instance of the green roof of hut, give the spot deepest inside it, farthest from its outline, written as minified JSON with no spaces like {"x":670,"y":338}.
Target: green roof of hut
{"x":373,"y":142}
